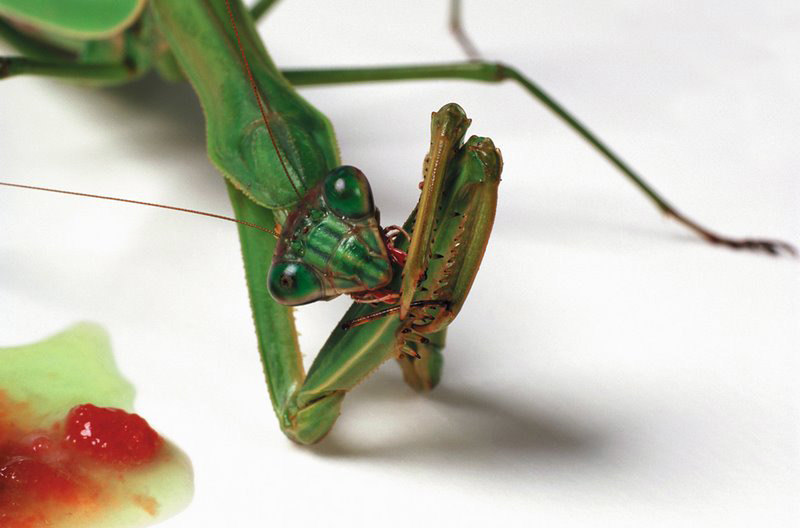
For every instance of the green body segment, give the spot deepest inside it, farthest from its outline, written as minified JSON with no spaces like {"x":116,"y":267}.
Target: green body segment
{"x":81,"y":19}
{"x":113,"y":56}
{"x":196,"y":40}
{"x":202,"y":38}
{"x":352,"y":256}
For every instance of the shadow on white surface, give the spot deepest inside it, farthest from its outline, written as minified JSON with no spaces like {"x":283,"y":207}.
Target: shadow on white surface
{"x":459,"y":429}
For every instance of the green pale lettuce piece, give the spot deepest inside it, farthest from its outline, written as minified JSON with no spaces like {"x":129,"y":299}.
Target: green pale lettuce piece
{"x":77,"y":366}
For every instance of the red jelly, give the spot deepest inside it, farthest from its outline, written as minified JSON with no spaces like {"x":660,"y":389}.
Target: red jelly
{"x":111,"y":435}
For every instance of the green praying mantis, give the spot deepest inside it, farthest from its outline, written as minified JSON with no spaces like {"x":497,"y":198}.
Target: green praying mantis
{"x":282,"y":168}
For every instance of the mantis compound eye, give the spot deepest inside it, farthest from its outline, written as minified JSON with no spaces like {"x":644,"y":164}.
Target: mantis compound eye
{"x":347,"y":192}
{"x":294,"y":283}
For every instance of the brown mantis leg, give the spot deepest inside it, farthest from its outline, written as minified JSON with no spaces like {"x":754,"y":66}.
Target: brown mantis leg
{"x":456,"y":27}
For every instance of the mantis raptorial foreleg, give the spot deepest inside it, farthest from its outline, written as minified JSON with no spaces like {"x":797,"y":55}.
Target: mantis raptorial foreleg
{"x":308,"y":405}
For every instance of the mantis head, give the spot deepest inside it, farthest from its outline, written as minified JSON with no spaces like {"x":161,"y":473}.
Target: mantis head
{"x":332,"y":243}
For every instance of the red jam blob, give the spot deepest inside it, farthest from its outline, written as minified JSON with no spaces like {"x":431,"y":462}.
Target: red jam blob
{"x":21,"y":476}
{"x":46,"y":472}
{"x":63,"y":466}
{"x":111,"y":435}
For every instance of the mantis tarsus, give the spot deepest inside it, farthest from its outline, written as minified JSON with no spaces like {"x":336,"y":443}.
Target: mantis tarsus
{"x":468,"y":70}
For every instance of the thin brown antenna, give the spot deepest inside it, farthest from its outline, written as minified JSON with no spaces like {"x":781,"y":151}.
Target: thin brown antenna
{"x":137,"y":202}
{"x":259,"y":100}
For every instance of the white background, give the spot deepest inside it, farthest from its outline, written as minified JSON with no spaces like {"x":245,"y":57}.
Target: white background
{"x":609,"y":368}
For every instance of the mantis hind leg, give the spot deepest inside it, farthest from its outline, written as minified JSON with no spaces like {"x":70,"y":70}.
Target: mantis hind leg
{"x":495,"y":72}
{"x":102,"y":73}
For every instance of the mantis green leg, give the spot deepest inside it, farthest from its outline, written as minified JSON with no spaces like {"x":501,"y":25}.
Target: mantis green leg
{"x":264,"y":167}
{"x":31,"y":46}
{"x":40,"y":57}
{"x":306,"y":405}
{"x":104,"y":73}
{"x":275,"y":330}
{"x":494,"y":72}
{"x":99,"y":62}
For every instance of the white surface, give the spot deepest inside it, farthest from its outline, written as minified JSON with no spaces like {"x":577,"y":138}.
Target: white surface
{"x":608,"y":369}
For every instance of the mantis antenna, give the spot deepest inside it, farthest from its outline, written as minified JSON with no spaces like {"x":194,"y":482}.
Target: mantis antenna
{"x":261,"y":103}
{"x":137,"y":202}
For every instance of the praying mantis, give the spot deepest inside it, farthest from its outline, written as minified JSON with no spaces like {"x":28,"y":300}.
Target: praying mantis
{"x":307,"y":404}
